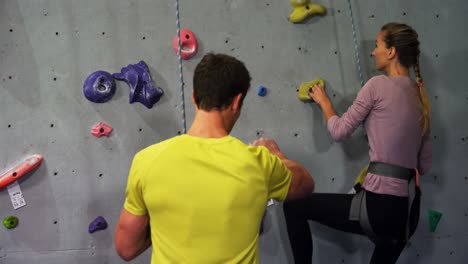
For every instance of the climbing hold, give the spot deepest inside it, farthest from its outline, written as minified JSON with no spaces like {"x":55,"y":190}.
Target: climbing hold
{"x":262,"y":91}
{"x":304,"y":9}
{"x":362,"y":176}
{"x":298,"y":3}
{"x":10,"y":222}
{"x":97,"y":224}
{"x":188,"y":44}
{"x":304,"y":89}
{"x":27,"y":165}
{"x":138,"y":77}
{"x":101,"y":129}
{"x":434,"y":218}
{"x":99,"y":87}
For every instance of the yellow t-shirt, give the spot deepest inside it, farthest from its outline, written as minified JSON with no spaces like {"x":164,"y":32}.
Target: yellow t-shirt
{"x":205,"y":197}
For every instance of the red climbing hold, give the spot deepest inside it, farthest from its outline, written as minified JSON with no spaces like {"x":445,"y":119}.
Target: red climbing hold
{"x":101,"y":129}
{"x":188,"y":44}
{"x":20,"y":170}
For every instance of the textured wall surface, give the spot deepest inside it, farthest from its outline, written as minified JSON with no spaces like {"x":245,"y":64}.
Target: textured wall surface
{"x":49,"y":47}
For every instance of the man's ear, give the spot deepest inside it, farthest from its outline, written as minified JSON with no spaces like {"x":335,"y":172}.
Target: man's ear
{"x":391,"y":53}
{"x":236,"y":103}
{"x":193,"y":99}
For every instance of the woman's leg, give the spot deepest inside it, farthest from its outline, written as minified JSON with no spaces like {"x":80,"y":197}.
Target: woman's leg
{"x":326,"y":208}
{"x":388,"y":215}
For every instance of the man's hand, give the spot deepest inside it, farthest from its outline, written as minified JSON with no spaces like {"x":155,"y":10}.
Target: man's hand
{"x":271,"y":145}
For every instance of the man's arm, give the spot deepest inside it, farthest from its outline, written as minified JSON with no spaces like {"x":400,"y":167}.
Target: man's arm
{"x":302,"y":182}
{"x":132,"y":235}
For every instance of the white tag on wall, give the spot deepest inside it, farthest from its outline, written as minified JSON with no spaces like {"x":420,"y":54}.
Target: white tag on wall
{"x":16,"y":196}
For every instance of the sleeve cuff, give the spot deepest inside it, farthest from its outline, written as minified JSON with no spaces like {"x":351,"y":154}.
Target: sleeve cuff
{"x":133,"y":210}
{"x":331,"y":122}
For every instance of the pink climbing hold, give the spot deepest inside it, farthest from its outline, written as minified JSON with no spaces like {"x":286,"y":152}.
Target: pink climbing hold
{"x":188,"y":44}
{"x":101,"y":129}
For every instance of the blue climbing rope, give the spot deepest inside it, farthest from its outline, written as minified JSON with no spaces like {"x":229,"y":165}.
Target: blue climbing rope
{"x":181,"y":74}
{"x":356,"y":50}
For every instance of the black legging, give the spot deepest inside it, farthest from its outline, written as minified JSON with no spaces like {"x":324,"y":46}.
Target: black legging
{"x":387,"y":215}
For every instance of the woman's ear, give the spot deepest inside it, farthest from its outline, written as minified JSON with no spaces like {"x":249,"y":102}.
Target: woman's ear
{"x":391,"y":53}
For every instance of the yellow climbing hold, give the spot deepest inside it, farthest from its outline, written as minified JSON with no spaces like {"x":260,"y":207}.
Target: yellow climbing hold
{"x":303,"y":93}
{"x":304,"y":9}
{"x":362,"y":176}
{"x":297,"y":3}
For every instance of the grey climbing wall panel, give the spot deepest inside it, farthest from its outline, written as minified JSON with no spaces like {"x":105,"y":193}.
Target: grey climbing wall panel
{"x":48,"y":48}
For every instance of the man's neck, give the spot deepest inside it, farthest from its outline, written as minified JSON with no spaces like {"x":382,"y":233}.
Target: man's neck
{"x":212,"y":124}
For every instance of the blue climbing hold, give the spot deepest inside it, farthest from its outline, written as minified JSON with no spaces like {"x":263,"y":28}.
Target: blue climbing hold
{"x":262,"y":91}
{"x":99,"y":87}
{"x":138,"y":77}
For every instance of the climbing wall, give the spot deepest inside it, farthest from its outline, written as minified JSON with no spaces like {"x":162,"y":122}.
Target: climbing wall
{"x":49,"y":47}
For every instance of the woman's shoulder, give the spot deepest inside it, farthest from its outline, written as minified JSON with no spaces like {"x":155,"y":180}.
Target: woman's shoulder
{"x":378,"y":79}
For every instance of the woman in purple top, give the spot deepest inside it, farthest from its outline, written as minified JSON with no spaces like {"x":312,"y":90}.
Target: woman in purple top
{"x":395,"y":112}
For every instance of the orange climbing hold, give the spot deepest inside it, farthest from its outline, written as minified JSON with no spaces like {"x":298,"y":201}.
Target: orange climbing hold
{"x":20,"y":170}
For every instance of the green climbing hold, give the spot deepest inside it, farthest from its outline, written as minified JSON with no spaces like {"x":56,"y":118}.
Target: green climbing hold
{"x":303,"y":92}
{"x":434,"y":218}
{"x":10,"y":222}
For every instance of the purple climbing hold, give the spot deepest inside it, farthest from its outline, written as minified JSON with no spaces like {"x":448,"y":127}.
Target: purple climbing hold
{"x":99,"y":87}
{"x":97,"y":224}
{"x":137,"y":76}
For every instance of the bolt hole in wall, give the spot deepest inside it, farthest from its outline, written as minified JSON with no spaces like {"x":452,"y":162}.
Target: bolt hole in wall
{"x":55,"y":222}
{"x":56,"y":33}
{"x":100,"y":175}
{"x":51,"y":125}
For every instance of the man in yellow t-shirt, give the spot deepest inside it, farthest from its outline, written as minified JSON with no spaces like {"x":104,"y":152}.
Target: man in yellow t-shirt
{"x":200,"y":197}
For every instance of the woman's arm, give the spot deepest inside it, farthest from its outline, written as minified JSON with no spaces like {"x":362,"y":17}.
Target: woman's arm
{"x":342,"y":127}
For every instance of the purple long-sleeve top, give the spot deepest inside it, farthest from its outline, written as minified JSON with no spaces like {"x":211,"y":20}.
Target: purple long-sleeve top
{"x":390,"y":109}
